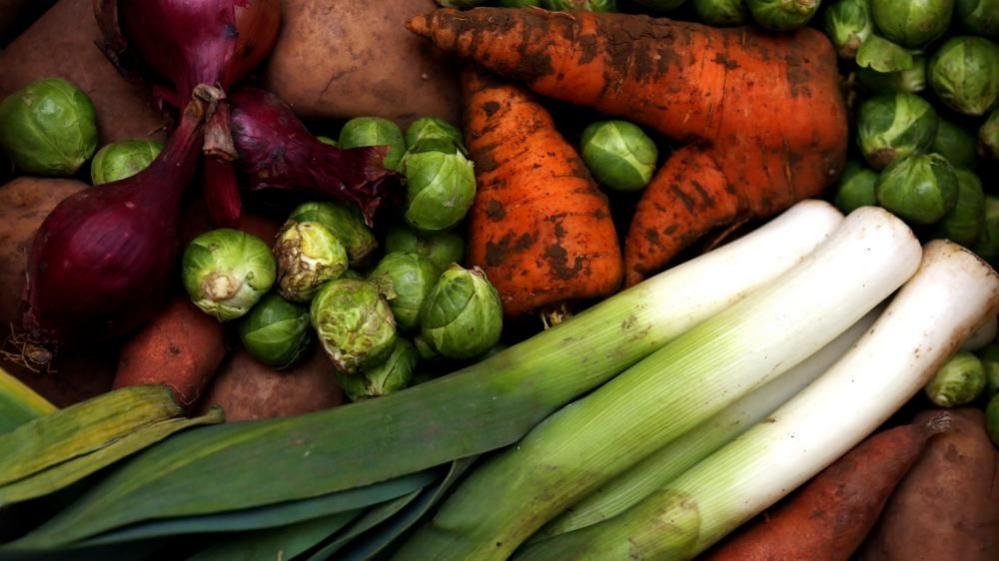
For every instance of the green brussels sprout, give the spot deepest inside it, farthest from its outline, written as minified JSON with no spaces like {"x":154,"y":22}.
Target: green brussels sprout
{"x":988,"y":136}
{"x":345,"y":222}
{"x":225,"y":272}
{"x":990,"y":363}
{"x":848,"y":23}
{"x":424,"y":350}
{"x":910,"y":81}
{"x":393,"y":374}
{"x":890,"y":127}
{"x":959,"y":381}
{"x":123,"y":159}
{"x":352,"y":274}
{"x":992,"y":419}
{"x":660,"y":5}
{"x":353,"y":323}
{"x":276,"y":332}
{"x":620,"y":155}
{"x":964,"y":222}
{"x":782,"y":15}
{"x":462,"y":316}
{"x":920,"y":189}
{"x":375,"y":131}
{"x":308,"y":255}
{"x":440,"y":188}
{"x":964,"y":73}
{"x":987,"y":246}
{"x":432,"y":128}
{"x":327,"y":140}
{"x":856,"y":188}
{"x":48,"y":127}
{"x":405,"y":280}
{"x":442,"y":248}
{"x":912,"y":23}
{"x":880,"y":54}
{"x":955,"y":144}
{"x":587,"y":5}
{"x":721,"y":13}
{"x":980,"y":17}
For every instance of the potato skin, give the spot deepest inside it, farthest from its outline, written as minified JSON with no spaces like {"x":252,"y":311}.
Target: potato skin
{"x":345,"y":58}
{"x":63,"y":43}
{"x":247,"y":390}
{"x":947,"y":508}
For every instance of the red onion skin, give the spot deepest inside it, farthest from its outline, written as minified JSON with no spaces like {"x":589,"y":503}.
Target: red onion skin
{"x":276,"y":151}
{"x":102,"y":262}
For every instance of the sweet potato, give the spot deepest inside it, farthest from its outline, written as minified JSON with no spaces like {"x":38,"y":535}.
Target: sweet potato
{"x":15,"y":15}
{"x":947,"y":508}
{"x":344,"y":58}
{"x":62,"y":43}
{"x":248,"y":390}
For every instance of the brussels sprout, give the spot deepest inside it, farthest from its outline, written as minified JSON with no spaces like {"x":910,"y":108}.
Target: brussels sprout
{"x":354,"y":324}
{"x":48,"y":127}
{"x":440,"y":188}
{"x":856,"y":188}
{"x":964,"y":73}
{"x":992,"y":419}
{"x":988,"y":136}
{"x":848,"y":24}
{"x":721,"y":13}
{"x":878,"y":53}
{"x":920,"y":189}
{"x":660,"y":5}
{"x":375,"y":131}
{"x":980,"y":17}
{"x":345,"y":222}
{"x":587,"y":5}
{"x":912,"y":80}
{"x":619,"y":154}
{"x":226,"y":272}
{"x":782,"y":15}
{"x":987,"y":246}
{"x":327,"y":140}
{"x":308,"y":255}
{"x":442,"y":248}
{"x":912,"y":23}
{"x":990,"y":363}
{"x":959,"y":381}
{"x":352,"y":274}
{"x":405,"y":279}
{"x":462,"y":316}
{"x":890,"y":127}
{"x":432,"y":128}
{"x":955,"y":144}
{"x":123,"y":159}
{"x":276,"y":332}
{"x":424,"y":349}
{"x":392,"y":375}
{"x":964,"y":223}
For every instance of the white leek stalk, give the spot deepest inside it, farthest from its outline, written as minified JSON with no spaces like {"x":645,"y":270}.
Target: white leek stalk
{"x":590,"y":441}
{"x":925,"y":323}
{"x":985,"y":334}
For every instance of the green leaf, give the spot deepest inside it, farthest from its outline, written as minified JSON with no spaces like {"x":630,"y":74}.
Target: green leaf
{"x":376,"y":515}
{"x":281,"y":543}
{"x":880,"y":54}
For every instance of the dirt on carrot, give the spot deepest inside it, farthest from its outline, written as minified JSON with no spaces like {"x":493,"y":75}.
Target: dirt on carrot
{"x":764,"y":110}
{"x":540,"y":227}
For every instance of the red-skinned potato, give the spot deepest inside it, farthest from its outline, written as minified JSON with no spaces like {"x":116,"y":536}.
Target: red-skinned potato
{"x":62,"y":44}
{"x":345,"y":58}
{"x":247,"y":390}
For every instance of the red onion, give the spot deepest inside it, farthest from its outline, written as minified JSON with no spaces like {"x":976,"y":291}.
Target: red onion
{"x":276,"y":151}
{"x":103,"y":260}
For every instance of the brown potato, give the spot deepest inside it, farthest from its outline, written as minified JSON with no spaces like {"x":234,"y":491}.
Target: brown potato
{"x":62,"y":44}
{"x":947,"y":508}
{"x":344,"y":58}
{"x":248,"y":390}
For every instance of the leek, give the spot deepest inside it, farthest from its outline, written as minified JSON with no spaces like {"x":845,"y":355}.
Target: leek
{"x":19,"y":403}
{"x":683,"y":384}
{"x":683,"y":453}
{"x":925,"y":323}
{"x":985,"y":334}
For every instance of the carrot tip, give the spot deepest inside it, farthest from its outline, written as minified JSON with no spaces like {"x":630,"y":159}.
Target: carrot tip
{"x":420,"y":25}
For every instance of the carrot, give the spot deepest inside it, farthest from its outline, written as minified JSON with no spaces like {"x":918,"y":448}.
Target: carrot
{"x":181,"y":348}
{"x":829,"y":517}
{"x":540,"y":227}
{"x":765,"y":110}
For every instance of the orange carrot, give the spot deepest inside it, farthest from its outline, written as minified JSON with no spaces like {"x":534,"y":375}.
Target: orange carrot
{"x":765,"y":110}
{"x":540,"y":227}
{"x":181,"y":348}
{"x":829,"y":517}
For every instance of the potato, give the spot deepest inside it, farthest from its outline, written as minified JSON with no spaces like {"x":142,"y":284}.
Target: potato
{"x":62,"y":43}
{"x":947,"y":508}
{"x":248,"y":390}
{"x":344,"y":58}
